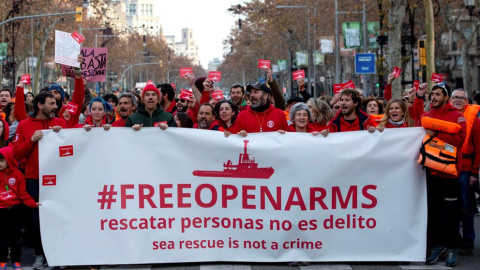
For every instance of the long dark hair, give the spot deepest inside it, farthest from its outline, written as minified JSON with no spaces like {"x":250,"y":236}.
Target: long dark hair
{"x":184,"y":119}
{"x":232,"y":106}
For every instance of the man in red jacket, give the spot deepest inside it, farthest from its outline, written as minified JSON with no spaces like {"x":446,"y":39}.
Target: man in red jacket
{"x":260,"y":116}
{"x":443,"y":191}
{"x":351,"y":117}
{"x":470,"y":165}
{"x":29,"y":132}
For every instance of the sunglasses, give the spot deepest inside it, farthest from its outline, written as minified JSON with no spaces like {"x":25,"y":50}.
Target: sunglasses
{"x":180,"y":100}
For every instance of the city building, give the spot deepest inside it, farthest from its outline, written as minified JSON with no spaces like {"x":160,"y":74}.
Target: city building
{"x":140,"y":16}
{"x":212,"y":65}
{"x":187,"y":47}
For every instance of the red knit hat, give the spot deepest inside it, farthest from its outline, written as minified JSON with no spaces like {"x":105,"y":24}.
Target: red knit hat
{"x":150,"y":87}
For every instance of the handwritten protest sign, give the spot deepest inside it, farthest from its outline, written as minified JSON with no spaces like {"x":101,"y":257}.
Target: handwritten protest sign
{"x":94,"y":64}
{"x":66,"y":49}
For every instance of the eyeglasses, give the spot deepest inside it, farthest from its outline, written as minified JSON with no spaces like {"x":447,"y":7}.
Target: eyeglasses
{"x":180,"y":100}
{"x":442,"y":85}
{"x":458,"y":98}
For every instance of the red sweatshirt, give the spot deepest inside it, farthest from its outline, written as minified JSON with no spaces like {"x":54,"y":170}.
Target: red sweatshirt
{"x":24,"y":148}
{"x":272,"y":119}
{"x":12,"y":179}
{"x":119,"y":123}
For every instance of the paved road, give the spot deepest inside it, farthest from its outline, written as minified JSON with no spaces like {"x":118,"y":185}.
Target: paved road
{"x":464,"y":263}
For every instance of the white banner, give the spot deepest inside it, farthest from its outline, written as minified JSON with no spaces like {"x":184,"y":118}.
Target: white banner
{"x":184,"y":195}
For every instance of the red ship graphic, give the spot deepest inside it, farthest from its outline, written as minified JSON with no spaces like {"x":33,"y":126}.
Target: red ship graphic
{"x":246,"y":168}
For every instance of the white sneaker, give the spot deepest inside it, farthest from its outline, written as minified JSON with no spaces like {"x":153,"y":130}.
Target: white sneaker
{"x":39,"y":263}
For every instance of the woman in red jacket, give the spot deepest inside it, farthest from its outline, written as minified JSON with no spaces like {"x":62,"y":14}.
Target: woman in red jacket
{"x":301,"y":116}
{"x":396,"y":116}
{"x":321,"y":114}
{"x":226,"y":113}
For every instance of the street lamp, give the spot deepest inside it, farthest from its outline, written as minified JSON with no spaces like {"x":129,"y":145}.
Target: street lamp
{"x":470,"y":5}
{"x":85,"y":3}
{"x":309,"y":48}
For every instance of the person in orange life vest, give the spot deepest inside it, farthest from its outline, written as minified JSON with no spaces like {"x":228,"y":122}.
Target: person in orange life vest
{"x":261,"y":116}
{"x":470,"y":166}
{"x":321,"y":114}
{"x":301,"y":117}
{"x":127,"y":104}
{"x":443,"y":190}
{"x":12,"y":193}
{"x":396,"y":116}
{"x":112,"y":115}
{"x":167,"y":96}
{"x":183,"y":120}
{"x":350,"y":117}
{"x":226,"y":113}
{"x":98,"y":115}
{"x":206,"y":118}
{"x":29,"y":132}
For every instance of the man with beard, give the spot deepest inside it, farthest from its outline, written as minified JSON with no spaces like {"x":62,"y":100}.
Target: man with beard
{"x":181,"y":103}
{"x":470,"y":164}
{"x":127,"y":104}
{"x":167,"y":94}
{"x":206,"y":118}
{"x":29,"y":132}
{"x":150,"y":113}
{"x":351,"y":117}
{"x":237,"y":96}
{"x":261,"y":115}
{"x":443,"y":190}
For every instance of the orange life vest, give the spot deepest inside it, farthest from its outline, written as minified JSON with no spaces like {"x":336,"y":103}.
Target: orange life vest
{"x":440,"y":125}
{"x":438,"y":155}
{"x":470,"y":114}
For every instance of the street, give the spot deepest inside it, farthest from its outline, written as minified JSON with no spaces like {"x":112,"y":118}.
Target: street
{"x":463,"y":262}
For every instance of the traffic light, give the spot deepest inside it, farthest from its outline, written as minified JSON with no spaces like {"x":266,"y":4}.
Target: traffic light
{"x":160,"y":63}
{"x":421,"y":52}
{"x":78,"y":17}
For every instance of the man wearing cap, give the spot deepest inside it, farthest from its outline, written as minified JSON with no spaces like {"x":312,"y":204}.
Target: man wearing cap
{"x":150,"y":113}
{"x":261,"y":115}
{"x":471,"y":160}
{"x":443,"y":190}
{"x":127,"y":104}
{"x":351,"y":117}
{"x":29,"y":132}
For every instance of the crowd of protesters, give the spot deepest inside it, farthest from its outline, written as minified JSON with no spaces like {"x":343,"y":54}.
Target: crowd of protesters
{"x":255,"y":108}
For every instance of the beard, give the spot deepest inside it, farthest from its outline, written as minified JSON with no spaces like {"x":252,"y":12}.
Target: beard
{"x":59,"y":106}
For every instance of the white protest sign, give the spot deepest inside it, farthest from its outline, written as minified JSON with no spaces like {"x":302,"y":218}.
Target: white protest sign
{"x":67,"y":49}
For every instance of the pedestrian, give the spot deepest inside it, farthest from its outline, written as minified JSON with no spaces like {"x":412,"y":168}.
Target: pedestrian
{"x":226,"y":113}
{"x":396,"y":116}
{"x":321,"y":114}
{"x":350,"y":116}
{"x":12,"y":194}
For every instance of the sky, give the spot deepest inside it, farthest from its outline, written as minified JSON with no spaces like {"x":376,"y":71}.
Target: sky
{"x":210,"y":20}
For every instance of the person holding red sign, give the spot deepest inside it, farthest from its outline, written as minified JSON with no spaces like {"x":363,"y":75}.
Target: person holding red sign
{"x":443,"y":190}
{"x":350,"y":117}
{"x":261,"y":116}
{"x":29,"y":132}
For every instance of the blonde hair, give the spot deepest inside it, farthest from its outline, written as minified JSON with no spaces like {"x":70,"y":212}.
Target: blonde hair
{"x":322,"y":113}
{"x":404,"y":107}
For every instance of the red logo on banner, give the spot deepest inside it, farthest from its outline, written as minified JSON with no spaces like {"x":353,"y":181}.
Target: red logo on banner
{"x":66,"y":151}
{"x":49,"y":180}
{"x":397,"y":71}
{"x":299,"y":74}
{"x":416,"y":83}
{"x":436,"y":78}
{"x":186,"y":94}
{"x":246,"y":168}
{"x":156,"y":124}
{"x":340,"y":86}
{"x":174,"y":86}
{"x":185,"y":70}
{"x":78,"y":38}
{"x":215,"y":76}
{"x":263,"y":63}
{"x":25,"y":79}
{"x":72,"y":108}
{"x":218,"y":95}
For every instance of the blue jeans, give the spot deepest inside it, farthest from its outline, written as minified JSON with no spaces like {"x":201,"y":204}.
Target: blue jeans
{"x":468,"y":204}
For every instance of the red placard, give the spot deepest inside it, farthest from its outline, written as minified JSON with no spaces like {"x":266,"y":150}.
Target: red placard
{"x":217,"y":94}
{"x":263,"y":63}
{"x":337,"y":88}
{"x":25,"y":79}
{"x":299,"y":74}
{"x":215,"y":76}
{"x":66,"y":151}
{"x":186,"y":94}
{"x":185,"y":70}
{"x":49,"y":180}
{"x":416,"y":83}
{"x":78,"y":38}
{"x":348,"y":84}
{"x":437,"y":78}
{"x":72,"y":108}
{"x":397,"y":71}
{"x":174,"y":85}
{"x":156,"y":124}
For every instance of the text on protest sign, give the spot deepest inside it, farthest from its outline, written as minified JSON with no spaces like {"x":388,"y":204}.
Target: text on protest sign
{"x":94,"y":64}
{"x":66,"y":49}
